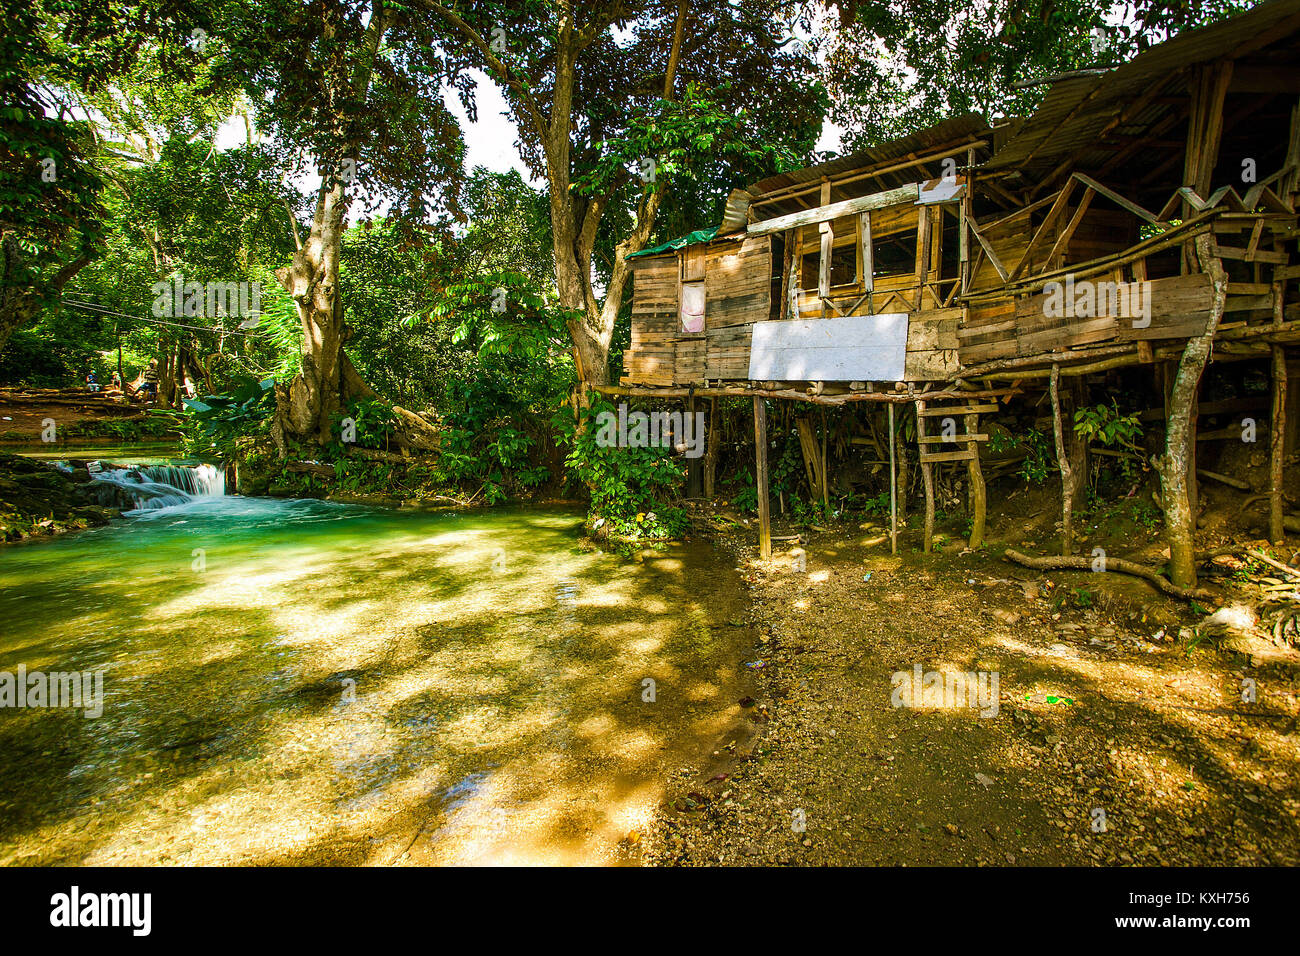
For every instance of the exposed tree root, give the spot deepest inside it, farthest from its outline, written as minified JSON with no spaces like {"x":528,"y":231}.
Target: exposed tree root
{"x":1081,"y":563}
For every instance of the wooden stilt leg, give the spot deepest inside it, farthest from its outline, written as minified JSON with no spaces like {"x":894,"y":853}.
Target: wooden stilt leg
{"x":760,"y":479}
{"x":1063,"y":461}
{"x":893,"y":486}
{"x":928,"y":477}
{"x":825,"y":468}
{"x":1277,"y":446}
{"x":978,"y":494}
{"x":712,"y":437}
{"x":694,"y":467}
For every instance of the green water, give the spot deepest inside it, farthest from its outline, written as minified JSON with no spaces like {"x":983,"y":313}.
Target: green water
{"x":306,"y":682}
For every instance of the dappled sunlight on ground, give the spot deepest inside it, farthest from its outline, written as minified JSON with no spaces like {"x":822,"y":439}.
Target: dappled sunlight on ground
{"x":351,"y":686}
{"x":1095,"y":725}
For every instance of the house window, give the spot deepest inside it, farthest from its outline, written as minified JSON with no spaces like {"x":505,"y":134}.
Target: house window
{"x":894,"y":255}
{"x":844,"y":266}
{"x":844,"y":259}
{"x":692,"y":307}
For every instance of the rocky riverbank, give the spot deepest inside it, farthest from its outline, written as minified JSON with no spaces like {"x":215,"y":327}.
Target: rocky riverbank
{"x":38,"y":499}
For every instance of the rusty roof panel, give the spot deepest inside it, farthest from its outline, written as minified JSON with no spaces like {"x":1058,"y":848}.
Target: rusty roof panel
{"x":1076,"y":110}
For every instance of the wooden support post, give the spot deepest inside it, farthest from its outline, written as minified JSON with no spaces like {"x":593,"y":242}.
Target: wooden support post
{"x":694,"y":467}
{"x":711,"y":449}
{"x":965,"y":211}
{"x":812,"y":461}
{"x":1180,"y":518}
{"x":825,"y":465}
{"x":1277,"y":432}
{"x":788,"y":275}
{"x":893,"y":487}
{"x":1277,"y":446}
{"x":978,"y":494}
{"x":1067,"y":504}
{"x":760,"y":479}
{"x":1291,"y":444}
{"x":868,"y":260}
{"x":928,"y":477}
{"x":824,"y":265}
{"x":922,"y":251}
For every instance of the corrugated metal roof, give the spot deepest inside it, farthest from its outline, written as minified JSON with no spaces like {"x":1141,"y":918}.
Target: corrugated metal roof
{"x":1076,"y":110}
{"x":959,"y":127}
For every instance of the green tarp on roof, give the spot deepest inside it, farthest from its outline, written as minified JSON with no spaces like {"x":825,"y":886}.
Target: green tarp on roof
{"x":672,"y":245}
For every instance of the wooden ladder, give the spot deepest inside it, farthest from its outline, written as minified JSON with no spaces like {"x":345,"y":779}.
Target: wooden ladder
{"x":969,"y":439}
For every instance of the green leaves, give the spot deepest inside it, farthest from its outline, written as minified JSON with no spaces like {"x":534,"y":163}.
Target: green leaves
{"x":217,"y":423}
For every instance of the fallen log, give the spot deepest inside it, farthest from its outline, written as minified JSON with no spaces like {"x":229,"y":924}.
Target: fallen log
{"x":1082,"y":563}
{"x":1223,"y":479}
{"x":1261,"y":556}
{"x":310,"y":468}
{"x":414,"y":432}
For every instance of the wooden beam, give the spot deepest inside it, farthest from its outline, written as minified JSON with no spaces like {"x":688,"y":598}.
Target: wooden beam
{"x":909,"y":162}
{"x":1063,"y":240}
{"x":978,"y":493}
{"x":824,"y":264}
{"x":760,"y":480}
{"x":1058,"y":207}
{"x":893,"y":485}
{"x":847,"y":207}
{"x":868,"y":253}
{"x":988,"y":250}
{"x":928,"y":479}
{"x":1063,"y":462}
{"x":1116,"y":198}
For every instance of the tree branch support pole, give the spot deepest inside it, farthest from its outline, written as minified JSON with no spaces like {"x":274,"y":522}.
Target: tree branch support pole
{"x":978,"y":492}
{"x":694,"y":467}
{"x":1173,"y":465}
{"x":760,"y":480}
{"x":928,"y":476}
{"x":893,"y":487}
{"x":1063,"y":462}
{"x":825,"y":466}
{"x":711,"y":449}
{"x":1277,"y":430}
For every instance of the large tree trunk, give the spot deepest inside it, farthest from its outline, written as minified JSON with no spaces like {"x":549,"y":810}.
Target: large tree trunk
{"x":311,"y":279}
{"x":327,"y":378}
{"x":575,"y":220}
{"x":1180,"y":523}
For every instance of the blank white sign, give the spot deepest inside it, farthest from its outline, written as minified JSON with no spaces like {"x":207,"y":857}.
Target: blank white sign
{"x":845,"y":349}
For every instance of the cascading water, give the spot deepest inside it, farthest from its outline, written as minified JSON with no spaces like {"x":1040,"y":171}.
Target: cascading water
{"x":151,"y":487}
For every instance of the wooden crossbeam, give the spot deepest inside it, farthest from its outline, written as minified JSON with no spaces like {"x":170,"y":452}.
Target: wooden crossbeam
{"x":929,"y":458}
{"x":825,"y":213}
{"x":956,"y":410}
{"x":1058,"y":207}
{"x":988,"y":250}
{"x":1063,"y":240}
{"x":1116,"y":198}
{"x":940,"y":440}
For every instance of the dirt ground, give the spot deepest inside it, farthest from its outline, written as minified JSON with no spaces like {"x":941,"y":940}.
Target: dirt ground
{"x":1121,"y":735}
{"x":22,"y":414}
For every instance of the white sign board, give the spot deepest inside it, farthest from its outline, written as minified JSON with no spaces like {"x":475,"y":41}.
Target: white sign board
{"x":947,"y":189}
{"x":846,"y":349}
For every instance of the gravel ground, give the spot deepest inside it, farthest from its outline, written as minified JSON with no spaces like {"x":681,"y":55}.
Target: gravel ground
{"x":1112,"y":744}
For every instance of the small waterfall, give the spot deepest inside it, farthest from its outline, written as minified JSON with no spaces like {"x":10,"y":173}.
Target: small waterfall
{"x":150,"y":487}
